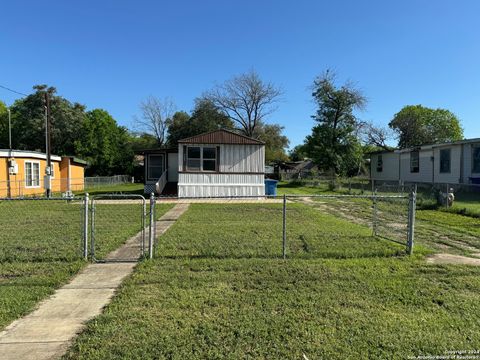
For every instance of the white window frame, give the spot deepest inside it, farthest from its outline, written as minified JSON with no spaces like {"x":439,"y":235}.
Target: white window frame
{"x":31,"y":174}
{"x":149,"y":167}
{"x":201,"y":147}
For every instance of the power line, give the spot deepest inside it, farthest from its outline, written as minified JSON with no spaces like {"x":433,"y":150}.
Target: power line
{"x":16,"y":92}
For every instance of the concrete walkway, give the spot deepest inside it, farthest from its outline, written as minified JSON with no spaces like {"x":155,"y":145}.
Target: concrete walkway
{"x":47,"y":332}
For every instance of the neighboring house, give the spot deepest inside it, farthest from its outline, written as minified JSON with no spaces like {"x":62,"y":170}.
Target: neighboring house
{"x":22,"y":173}
{"x":448,"y":163}
{"x":217,"y":163}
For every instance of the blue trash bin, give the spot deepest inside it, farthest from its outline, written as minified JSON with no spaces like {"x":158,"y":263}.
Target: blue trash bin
{"x":271,"y":187}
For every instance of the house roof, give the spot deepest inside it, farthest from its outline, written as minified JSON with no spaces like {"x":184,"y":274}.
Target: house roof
{"x":221,"y":136}
{"x":5,"y":153}
{"x":428,"y":146}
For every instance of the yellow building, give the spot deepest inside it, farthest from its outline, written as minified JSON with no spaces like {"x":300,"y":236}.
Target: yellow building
{"x":22,"y":173}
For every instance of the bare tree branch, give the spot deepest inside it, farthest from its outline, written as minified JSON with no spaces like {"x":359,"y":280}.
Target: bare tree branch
{"x":156,"y":115}
{"x":245,"y":99}
{"x":375,"y":135}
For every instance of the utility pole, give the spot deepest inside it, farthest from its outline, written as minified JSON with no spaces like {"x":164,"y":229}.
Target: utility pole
{"x":9,"y":180}
{"x":48,"y":169}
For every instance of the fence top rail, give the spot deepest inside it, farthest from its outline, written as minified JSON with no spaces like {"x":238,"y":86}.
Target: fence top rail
{"x":117,"y":196}
{"x":43,"y":198}
{"x":405,"y":196}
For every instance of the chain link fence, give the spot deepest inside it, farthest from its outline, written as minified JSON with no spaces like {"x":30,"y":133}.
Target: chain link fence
{"x":293,"y":226}
{"x":100,"y":181}
{"x":41,"y":229}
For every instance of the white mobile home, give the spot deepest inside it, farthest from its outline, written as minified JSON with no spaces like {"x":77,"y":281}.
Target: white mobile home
{"x":218,"y":163}
{"x":448,"y":163}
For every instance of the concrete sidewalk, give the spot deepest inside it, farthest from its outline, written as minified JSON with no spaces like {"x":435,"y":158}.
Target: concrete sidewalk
{"x":48,"y":331}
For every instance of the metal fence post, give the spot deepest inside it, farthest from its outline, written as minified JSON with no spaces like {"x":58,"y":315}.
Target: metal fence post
{"x":284,"y":243}
{"x":85,"y":226}
{"x":92,"y":230}
{"x":144,"y":219}
{"x":411,"y":220}
{"x":374,"y":215}
{"x":151,"y":226}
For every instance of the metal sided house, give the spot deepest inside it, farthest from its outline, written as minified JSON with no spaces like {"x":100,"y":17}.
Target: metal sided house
{"x":445,"y":163}
{"x":217,"y":163}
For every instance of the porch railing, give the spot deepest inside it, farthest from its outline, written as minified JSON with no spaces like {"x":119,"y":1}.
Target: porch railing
{"x":160,"y":185}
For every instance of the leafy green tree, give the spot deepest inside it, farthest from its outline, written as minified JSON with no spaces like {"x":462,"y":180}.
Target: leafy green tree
{"x":143,"y":141}
{"x":298,"y":153}
{"x":28,"y":122}
{"x":417,"y":125}
{"x":334,"y":144}
{"x":105,"y":145}
{"x":3,"y":126}
{"x":275,"y":141}
{"x":205,"y":117}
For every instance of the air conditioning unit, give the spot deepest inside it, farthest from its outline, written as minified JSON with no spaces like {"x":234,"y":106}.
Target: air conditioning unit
{"x":12,"y":167}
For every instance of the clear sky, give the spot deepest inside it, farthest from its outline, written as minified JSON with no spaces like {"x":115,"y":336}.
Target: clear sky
{"x":111,"y":54}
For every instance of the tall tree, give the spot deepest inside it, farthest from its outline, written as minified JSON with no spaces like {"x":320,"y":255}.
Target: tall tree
{"x":334,"y":144}
{"x":205,"y":117}
{"x":417,"y":125}
{"x":28,"y":121}
{"x":275,"y":141}
{"x":156,"y":115}
{"x":3,"y":126}
{"x":105,"y":145}
{"x":246,"y":99}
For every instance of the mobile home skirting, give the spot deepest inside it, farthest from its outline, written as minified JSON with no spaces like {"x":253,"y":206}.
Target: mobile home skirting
{"x":213,"y":185}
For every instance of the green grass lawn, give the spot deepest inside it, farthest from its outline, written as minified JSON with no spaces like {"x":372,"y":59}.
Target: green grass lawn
{"x":218,"y":290}
{"x":136,"y":188}
{"x":41,"y":247}
{"x":255,"y":230}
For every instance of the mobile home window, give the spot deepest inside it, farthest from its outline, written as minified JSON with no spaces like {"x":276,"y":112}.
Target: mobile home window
{"x":201,"y":158}
{"x":155,"y":167}
{"x":379,"y":163}
{"x":445,"y":155}
{"x":476,"y":159}
{"x":414,"y":162}
{"x":32,"y":174}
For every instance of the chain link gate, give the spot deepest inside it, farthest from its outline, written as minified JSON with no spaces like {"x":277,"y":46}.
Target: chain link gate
{"x":119,"y":225}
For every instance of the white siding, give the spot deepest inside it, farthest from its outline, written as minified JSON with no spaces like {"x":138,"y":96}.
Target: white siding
{"x":390,"y":167}
{"x":453,"y":177}
{"x":241,"y":173}
{"x":467,"y":157}
{"x":242,"y":158}
{"x":424,"y":174}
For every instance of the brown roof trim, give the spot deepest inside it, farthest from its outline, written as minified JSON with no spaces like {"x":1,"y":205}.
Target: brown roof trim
{"x":221,"y":136}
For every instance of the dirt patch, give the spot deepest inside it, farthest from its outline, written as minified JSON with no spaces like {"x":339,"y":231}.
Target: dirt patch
{"x":452,"y":259}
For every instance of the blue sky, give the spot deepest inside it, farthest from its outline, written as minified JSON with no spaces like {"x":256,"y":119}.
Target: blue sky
{"x":112,"y":54}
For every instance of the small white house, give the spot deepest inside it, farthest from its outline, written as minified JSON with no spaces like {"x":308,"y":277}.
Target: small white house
{"x":448,"y":163}
{"x":218,"y":163}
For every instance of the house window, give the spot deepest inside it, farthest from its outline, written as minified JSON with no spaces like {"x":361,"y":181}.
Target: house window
{"x":476,"y":159}
{"x":379,"y":163}
{"x":32,"y":174}
{"x":445,"y":155}
{"x":201,"y":158}
{"x":155,"y":167}
{"x":414,"y":162}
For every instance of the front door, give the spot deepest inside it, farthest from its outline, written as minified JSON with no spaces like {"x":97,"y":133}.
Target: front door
{"x":172,"y":167}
